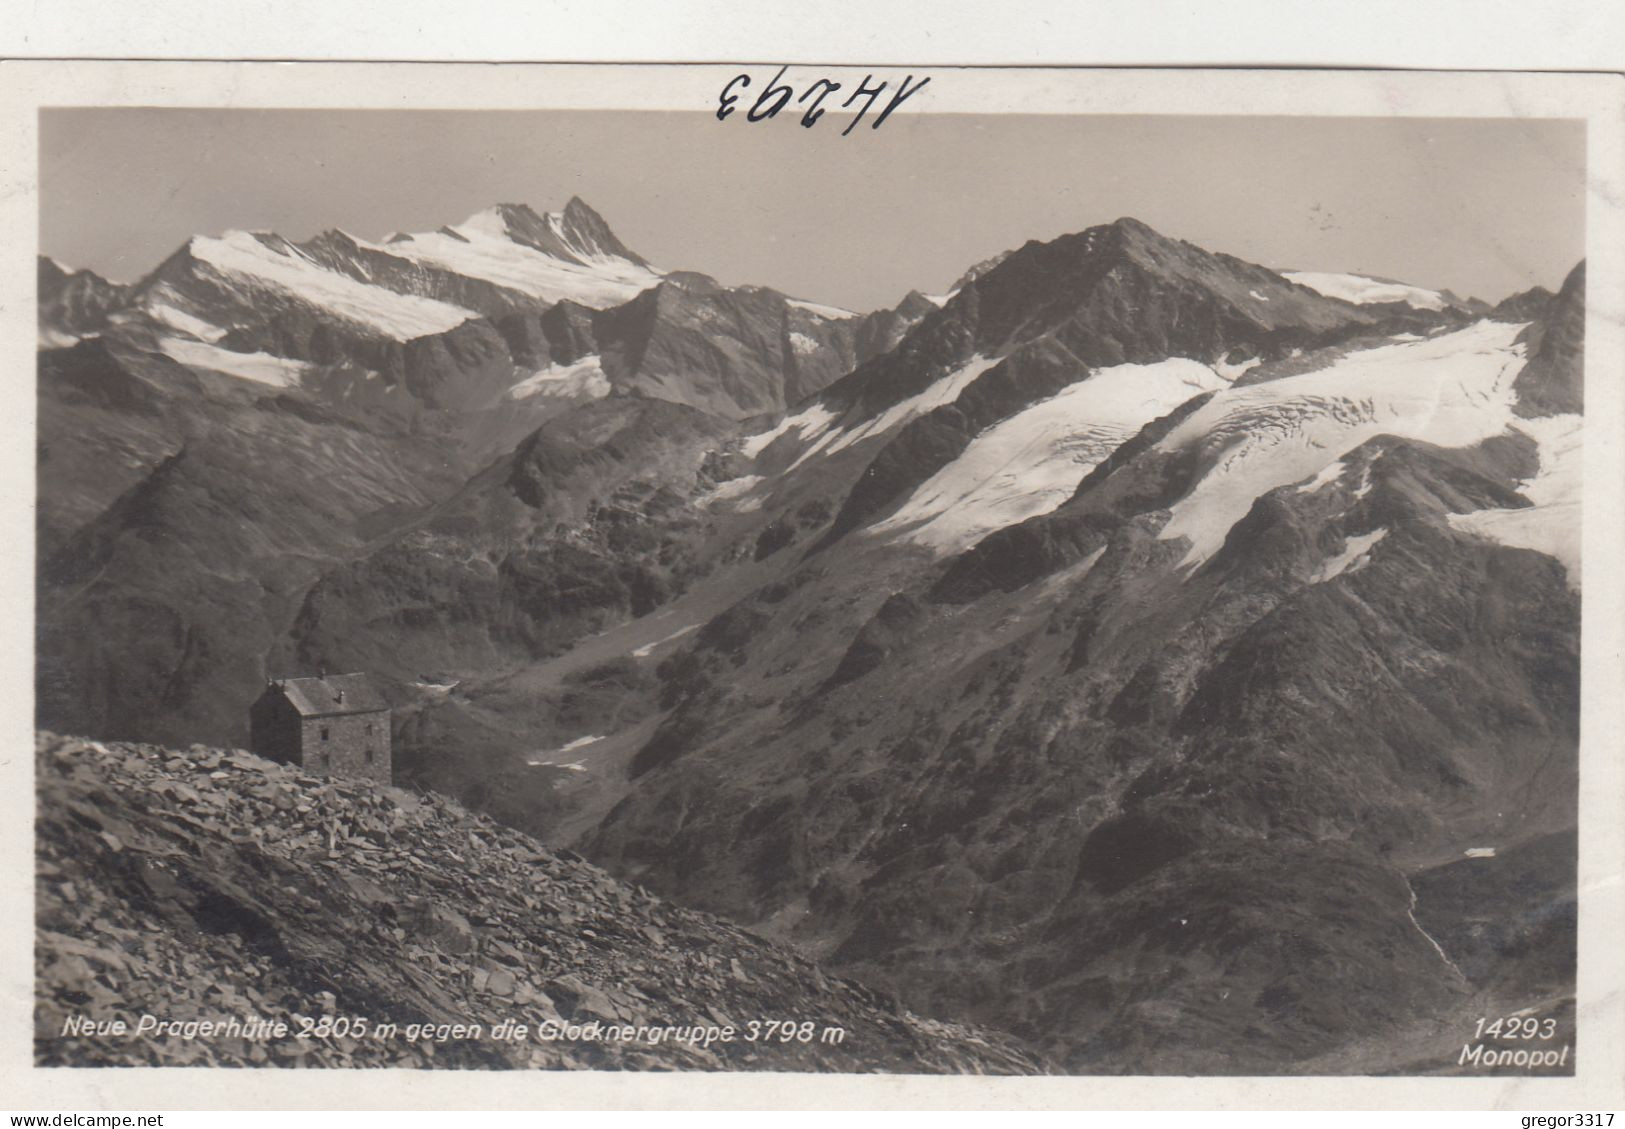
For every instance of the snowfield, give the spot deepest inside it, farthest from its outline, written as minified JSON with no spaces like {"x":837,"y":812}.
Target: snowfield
{"x":1033,"y":461}
{"x":1454,"y":390}
{"x":1552,"y":523}
{"x":279,"y":372}
{"x":808,"y":424}
{"x":732,"y":495}
{"x":648,"y":649}
{"x":1364,"y":291}
{"x":801,"y":344}
{"x":582,"y":378}
{"x":239,"y":255}
{"x":157,"y":306}
{"x":50,"y":338}
{"x":828,"y":313}
{"x":1356,"y":552}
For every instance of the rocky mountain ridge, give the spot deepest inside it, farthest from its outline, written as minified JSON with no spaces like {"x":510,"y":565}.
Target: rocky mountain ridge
{"x":209,"y":885}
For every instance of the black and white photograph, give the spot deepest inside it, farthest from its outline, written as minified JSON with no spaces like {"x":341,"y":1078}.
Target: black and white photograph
{"x":816,"y":579}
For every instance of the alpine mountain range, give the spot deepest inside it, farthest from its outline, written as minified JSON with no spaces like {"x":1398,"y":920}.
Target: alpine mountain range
{"x":1164,"y":661}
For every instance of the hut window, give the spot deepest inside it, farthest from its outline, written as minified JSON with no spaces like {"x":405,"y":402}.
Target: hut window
{"x":324,"y":733}
{"x":369,"y":751}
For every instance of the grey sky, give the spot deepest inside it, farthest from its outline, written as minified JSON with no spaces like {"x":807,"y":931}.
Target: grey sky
{"x":1484,"y":207}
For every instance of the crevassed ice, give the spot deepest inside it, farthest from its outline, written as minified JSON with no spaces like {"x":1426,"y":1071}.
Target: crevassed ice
{"x":1552,"y":523}
{"x":1453,"y":390}
{"x":402,"y":316}
{"x":1033,"y":461}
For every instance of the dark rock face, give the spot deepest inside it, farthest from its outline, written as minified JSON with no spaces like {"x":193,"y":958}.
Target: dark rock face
{"x":884,"y":634}
{"x":1553,"y":382}
{"x":76,"y":302}
{"x":583,"y":525}
{"x":142,"y":629}
{"x":735,"y":353}
{"x":192,"y":879}
{"x":582,"y":236}
{"x":1526,"y":305}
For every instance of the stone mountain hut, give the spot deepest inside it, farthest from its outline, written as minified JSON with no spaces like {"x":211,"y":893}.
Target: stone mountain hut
{"x":334,"y":725}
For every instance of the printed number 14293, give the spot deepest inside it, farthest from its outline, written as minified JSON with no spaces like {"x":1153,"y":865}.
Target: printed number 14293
{"x":1514,"y":1027}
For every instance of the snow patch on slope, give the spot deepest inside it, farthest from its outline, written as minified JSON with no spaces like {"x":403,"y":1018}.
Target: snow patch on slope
{"x":1356,"y":552}
{"x":1329,"y":473}
{"x":1033,"y":461}
{"x":829,"y":313}
{"x":1552,"y":523}
{"x":808,"y":424}
{"x":1454,"y":390}
{"x":1234,"y":372}
{"x":648,"y":649}
{"x":817,"y":425}
{"x":1364,"y":291}
{"x":52,"y":338}
{"x":238,"y":254}
{"x":184,"y":322}
{"x":582,"y":378}
{"x":279,"y":372}
{"x":730,"y":495}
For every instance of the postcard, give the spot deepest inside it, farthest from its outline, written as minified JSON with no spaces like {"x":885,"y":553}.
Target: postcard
{"x":592,"y":584}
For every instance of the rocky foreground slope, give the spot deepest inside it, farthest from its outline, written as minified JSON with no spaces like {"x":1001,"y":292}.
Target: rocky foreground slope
{"x":212,"y":885}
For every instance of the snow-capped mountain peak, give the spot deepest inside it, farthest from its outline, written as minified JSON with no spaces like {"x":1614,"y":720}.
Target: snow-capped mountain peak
{"x":576,"y":234}
{"x":571,"y":254}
